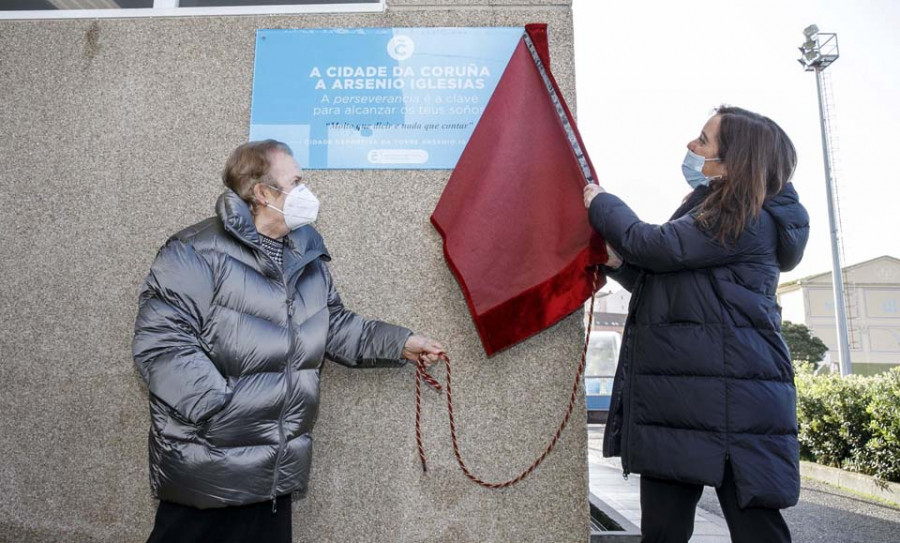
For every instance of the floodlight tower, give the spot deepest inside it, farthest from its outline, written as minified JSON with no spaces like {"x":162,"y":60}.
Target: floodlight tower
{"x":819,"y":51}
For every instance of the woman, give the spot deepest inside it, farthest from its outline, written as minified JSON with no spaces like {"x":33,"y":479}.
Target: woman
{"x":704,"y":391}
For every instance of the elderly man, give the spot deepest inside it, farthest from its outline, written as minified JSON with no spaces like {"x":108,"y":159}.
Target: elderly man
{"x":235,"y":319}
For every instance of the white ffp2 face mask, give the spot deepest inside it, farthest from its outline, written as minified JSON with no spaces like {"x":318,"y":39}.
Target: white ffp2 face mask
{"x":301,"y":207}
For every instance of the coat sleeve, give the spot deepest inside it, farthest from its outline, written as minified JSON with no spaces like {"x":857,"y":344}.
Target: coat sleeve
{"x":626,"y":275}
{"x":167,"y":345}
{"x":357,"y":342}
{"x":676,"y":245}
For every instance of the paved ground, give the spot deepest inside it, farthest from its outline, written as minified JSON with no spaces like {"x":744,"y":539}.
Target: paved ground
{"x":607,"y":483}
{"x":824,"y":514}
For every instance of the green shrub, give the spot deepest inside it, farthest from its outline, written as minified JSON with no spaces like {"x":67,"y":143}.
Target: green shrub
{"x":833,"y":419}
{"x":851,"y":422}
{"x":883,"y":450}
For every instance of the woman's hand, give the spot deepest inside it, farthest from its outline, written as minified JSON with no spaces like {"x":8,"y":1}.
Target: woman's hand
{"x":590,"y":192}
{"x":419,"y":345}
{"x":614,"y":260}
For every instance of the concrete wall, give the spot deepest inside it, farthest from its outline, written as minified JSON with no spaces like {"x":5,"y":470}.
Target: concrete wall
{"x":113,"y":136}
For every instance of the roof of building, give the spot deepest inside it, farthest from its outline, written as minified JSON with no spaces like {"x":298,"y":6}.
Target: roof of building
{"x":789,"y":286}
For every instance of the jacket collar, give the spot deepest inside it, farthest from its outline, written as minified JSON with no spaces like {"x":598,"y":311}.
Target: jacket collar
{"x":693,"y":199}
{"x":235,"y":215}
{"x":302,"y":245}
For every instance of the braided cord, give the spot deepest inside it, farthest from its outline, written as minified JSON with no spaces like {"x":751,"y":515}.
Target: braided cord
{"x":423,"y":375}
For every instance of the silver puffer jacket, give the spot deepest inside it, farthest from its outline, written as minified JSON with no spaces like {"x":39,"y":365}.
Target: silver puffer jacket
{"x":231,"y":345}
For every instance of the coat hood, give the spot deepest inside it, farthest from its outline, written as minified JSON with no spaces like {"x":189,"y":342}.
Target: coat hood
{"x":793,"y":226}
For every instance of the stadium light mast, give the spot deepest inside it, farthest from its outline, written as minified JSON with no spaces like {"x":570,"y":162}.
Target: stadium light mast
{"x":818,"y":52}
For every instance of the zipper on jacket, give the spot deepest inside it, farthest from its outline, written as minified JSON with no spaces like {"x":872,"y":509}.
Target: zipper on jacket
{"x":720,"y":296}
{"x":626,"y":407}
{"x":287,"y":370}
{"x":282,"y":440}
{"x":626,"y":411}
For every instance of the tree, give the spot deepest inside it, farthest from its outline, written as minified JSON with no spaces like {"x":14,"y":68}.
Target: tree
{"x":803,"y":344}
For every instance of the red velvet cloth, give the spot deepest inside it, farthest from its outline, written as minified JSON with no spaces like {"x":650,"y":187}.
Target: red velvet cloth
{"x":516,"y":234}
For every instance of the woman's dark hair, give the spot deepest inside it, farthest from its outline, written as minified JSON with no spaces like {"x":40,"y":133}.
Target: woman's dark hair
{"x":759,"y":161}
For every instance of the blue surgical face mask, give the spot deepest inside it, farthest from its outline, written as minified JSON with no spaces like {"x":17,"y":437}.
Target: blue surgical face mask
{"x":692,"y":168}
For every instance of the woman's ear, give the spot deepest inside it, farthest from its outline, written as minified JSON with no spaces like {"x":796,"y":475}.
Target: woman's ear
{"x":259,"y":195}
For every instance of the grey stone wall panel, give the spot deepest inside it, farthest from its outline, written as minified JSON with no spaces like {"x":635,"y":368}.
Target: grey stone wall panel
{"x":114,"y":133}
{"x":506,"y":4}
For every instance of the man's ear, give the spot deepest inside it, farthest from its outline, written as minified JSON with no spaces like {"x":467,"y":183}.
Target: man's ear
{"x":259,"y":195}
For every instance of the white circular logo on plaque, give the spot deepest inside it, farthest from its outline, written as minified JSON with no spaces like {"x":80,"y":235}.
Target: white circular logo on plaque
{"x":401,"y":47}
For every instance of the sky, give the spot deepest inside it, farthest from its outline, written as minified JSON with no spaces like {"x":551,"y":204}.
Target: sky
{"x":650,"y":72}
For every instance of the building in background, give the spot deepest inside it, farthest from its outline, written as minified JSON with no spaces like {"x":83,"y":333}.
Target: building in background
{"x":872,"y":290}
{"x":610,"y":312}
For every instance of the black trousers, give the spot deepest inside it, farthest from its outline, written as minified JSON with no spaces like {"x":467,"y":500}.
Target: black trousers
{"x":254,"y":523}
{"x":668,"y":507}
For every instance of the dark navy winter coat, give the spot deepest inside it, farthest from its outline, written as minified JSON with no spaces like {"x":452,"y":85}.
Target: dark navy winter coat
{"x":704,"y":375}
